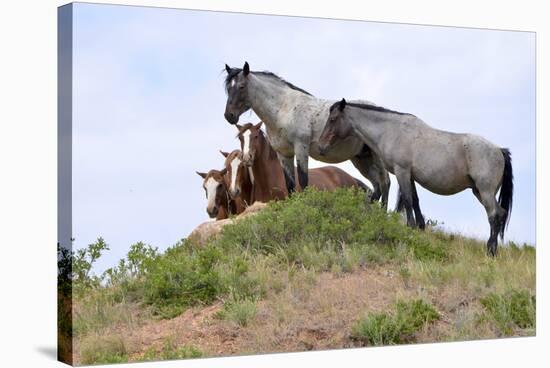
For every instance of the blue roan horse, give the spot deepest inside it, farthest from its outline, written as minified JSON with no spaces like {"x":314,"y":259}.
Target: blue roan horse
{"x":442,"y":162}
{"x":294,"y":120}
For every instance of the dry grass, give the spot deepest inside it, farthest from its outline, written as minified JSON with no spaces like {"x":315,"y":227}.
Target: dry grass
{"x":307,"y":310}
{"x":308,"y":292}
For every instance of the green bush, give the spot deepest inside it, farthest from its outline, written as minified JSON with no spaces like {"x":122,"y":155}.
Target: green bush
{"x":237,"y":280}
{"x":136,"y":264}
{"x":242,"y":313}
{"x":321,"y":231}
{"x":103,"y":350}
{"x":323,"y":221}
{"x":377,"y":329}
{"x":308,"y":217}
{"x":74,"y":267}
{"x":170,"y":351}
{"x":511,"y":310}
{"x":413,"y":315}
{"x":182,"y":277}
{"x":389,"y":329}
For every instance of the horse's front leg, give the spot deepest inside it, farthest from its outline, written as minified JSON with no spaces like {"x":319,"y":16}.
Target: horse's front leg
{"x":288,"y":169}
{"x":372,"y":168}
{"x":302,"y":158}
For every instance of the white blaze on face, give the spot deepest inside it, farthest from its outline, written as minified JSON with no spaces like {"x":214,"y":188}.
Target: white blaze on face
{"x":211,"y":186}
{"x":234,"y":167}
{"x":246,"y":145}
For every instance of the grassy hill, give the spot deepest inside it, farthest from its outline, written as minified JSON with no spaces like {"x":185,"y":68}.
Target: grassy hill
{"x":318,"y":271}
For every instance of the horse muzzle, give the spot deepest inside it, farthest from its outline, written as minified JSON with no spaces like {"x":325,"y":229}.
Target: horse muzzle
{"x":247,"y":159}
{"x":212,"y":212}
{"x":231,"y":118}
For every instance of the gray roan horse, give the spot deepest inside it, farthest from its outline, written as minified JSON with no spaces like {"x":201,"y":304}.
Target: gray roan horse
{"x":442,"y":162}
{"x":294,"y":120}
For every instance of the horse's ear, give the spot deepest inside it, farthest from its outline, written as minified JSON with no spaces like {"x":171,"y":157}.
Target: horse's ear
{"x":246,"y":68}
{"x":223,"y":171}
{"x":239,"y":127}
{"x":259,"y":125}
{"x":227,"y":68}
{"x":202,"y":175}
{"x":342,"y":104}
{"x":225,"y":154}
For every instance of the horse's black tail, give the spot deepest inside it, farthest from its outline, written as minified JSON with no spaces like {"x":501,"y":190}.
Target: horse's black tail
{"x":399,"y":204}
{"x":506,"y":194}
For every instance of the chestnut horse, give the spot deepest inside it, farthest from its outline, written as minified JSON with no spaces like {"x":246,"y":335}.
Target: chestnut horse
{"x":219,"y":204}
{"x":238,"y":178}
{"x":267,"y":172}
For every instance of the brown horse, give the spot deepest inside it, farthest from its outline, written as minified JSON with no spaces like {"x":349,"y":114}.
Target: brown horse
{"x":267,"y":172}
{"x":220,"y":205}
{"x":238,"y":178}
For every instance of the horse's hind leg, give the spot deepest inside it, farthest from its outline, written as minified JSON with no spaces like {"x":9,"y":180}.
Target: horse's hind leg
{"x":495,"y":215}
{"x":416,"y":206}
{"x":404,"y":179}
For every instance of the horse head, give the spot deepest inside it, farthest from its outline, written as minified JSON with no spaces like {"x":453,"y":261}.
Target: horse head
{"x":336,"y":127}
{"x":236,"y":86}
{"x":215,"y":190}
{"x":250,"y":137}
{"x":236,"y":172}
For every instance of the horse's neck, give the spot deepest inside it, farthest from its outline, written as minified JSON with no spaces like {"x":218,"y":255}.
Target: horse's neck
{"x":247,"y":187}
{"x":375,"y":127}
{"x":267,"y":170}
{"x":237,"y":205}
{"x":267,"y":97}
{"x":223,"y":213}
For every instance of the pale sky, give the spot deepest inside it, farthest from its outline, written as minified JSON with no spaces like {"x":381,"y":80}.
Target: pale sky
{"x":149,"y":102}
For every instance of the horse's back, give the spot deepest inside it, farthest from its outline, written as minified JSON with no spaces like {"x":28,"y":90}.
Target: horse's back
{"x":330,"y":178}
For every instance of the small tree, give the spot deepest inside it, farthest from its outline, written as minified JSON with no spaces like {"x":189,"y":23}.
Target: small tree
{"x":136,"y":264}
{"x":82,"y":262}
{"x":139,"y":258}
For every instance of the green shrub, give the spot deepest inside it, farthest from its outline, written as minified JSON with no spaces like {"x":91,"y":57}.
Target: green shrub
{"x":308,"y":217}
{"x":182,"y":352}
{"x":242,"y":313}
{"x":238,"y":280}
{"x":103,"y":350}
{"x":320,"y":222}
{"x":389,"y":329}
{"x":171,"y":351}
{"x":136,"y":264}
{"x":413,"y":315}
{"x":76,"y":266}
{"x":377,"y":329}
{"x":322,"y":231}
{"x":511,"y":310}
{"x":183,"y":277}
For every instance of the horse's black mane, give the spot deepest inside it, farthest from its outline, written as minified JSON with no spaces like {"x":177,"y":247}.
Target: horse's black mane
{"x":369,"y":107}
{"x":234,"y":71}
